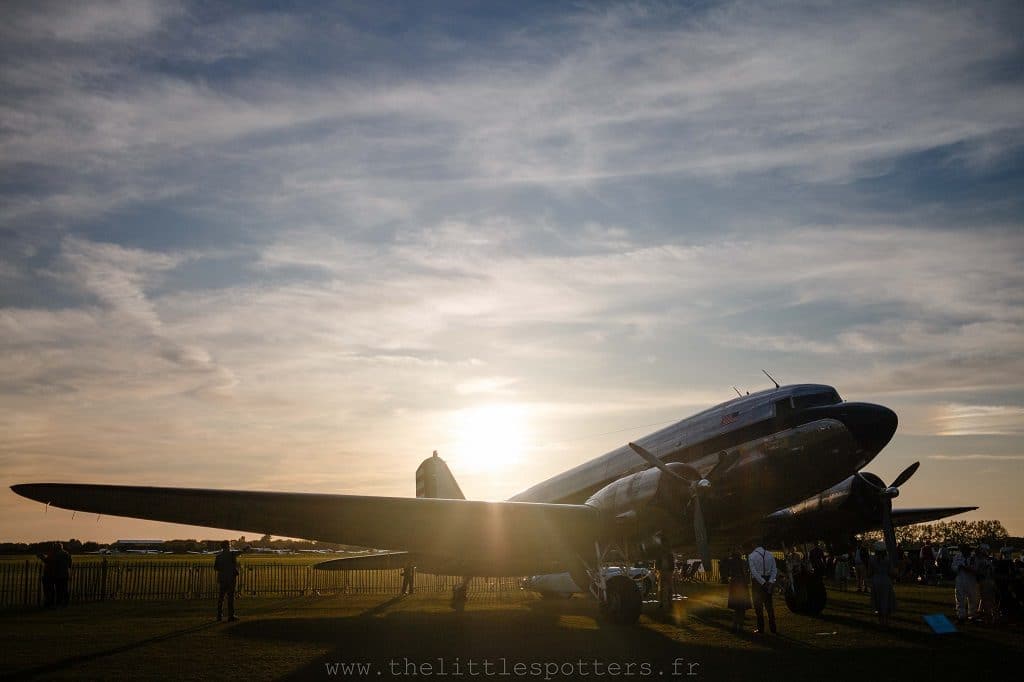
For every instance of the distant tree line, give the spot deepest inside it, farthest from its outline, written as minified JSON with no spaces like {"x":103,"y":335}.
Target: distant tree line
{"x":953,"y":533}
{"x":939,"y":533}
{"x":76,"y":546}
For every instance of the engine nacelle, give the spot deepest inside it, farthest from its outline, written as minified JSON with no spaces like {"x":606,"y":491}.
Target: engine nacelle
{"x":852,"y":503}
{"x":645,"y":510}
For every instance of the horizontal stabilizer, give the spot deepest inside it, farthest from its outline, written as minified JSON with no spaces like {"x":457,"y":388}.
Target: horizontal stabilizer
{"x":368,"y":562}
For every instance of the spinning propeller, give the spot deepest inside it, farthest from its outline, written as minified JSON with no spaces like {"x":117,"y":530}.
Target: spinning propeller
{"x":886,"y":496}
{"x":699,"y":487}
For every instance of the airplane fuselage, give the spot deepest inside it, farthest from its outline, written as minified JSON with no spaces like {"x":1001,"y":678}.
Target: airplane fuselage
{"x":782,"y":446}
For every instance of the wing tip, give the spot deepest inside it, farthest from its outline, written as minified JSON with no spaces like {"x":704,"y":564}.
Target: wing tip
{"x":23,"y":489}
{"x":32,"y":491}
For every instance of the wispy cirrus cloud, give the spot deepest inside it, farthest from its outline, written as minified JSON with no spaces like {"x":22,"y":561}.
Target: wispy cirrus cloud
{"x":295,"y":240}
{"x":1001,"y":420}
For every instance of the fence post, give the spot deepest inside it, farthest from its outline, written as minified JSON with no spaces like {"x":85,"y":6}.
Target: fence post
{"x":103,"y":579}
{"x":26,"y":583}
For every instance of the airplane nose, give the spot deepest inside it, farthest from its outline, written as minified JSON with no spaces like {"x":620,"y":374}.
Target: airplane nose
{"x":871,"y":425}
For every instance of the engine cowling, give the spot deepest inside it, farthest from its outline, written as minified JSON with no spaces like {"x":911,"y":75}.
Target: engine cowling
{"x":851,"y":503}
{"x":644,"y":511}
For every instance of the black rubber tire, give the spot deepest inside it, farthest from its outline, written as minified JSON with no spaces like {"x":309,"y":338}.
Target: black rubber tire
{"x":809,"y":596}
{"x":623,"y":602}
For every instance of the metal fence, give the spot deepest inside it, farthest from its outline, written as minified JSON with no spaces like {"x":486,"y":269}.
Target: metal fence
{"x":21,"y":581}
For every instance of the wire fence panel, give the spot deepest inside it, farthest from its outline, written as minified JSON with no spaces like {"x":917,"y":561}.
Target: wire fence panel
{"x":21,"y":581}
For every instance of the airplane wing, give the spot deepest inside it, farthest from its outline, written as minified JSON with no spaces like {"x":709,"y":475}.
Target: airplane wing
{"x":908,"y":517}
{"x":481,"y":538}
{"x":789,"y":527}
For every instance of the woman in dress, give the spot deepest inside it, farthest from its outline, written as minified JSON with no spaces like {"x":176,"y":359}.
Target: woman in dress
{"x":883,"y":597}
{"x":842,"y":570}
{"x":735,"y":568}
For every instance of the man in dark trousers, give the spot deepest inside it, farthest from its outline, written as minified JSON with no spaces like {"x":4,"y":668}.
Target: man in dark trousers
{"x":49,"y":560}
{"x":226,"y":565}
{"x":763,"y":573}
{"x":62,"y":574}
{"x":408,"y":578}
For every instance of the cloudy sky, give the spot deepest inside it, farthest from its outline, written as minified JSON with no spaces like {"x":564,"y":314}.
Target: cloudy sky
{"x":300,"y":250}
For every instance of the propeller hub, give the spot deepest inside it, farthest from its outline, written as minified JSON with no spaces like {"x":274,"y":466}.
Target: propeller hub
{"x":703,"y":484}
{"x":891,"y":491}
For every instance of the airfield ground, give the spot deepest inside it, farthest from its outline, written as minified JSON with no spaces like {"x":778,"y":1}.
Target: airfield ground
{"x":421,"y":638}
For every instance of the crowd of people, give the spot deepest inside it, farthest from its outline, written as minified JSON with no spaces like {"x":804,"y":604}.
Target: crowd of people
{"x":56,"y":576}
{"x":988,"y":586}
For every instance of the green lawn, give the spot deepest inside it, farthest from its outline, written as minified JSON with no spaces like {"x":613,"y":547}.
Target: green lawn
{"x":298,"y":637}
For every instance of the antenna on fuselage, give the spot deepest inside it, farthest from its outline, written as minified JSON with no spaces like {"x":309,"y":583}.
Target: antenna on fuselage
{"x":770,"y":377}
{"x":737,"y":391}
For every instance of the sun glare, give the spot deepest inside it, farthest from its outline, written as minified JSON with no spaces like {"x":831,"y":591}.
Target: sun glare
{"x":490,"y":437}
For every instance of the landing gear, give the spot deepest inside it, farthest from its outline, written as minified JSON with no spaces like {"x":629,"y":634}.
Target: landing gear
{"x":666,"y":575}
{"x":460,"y":593}
{"x":623,"y":600}
{"x":618,"y":595}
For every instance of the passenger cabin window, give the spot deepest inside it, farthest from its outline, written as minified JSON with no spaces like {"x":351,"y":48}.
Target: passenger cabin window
{"x":815,"y":399}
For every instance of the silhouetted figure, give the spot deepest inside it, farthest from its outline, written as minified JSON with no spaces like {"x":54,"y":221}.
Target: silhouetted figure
{"x":62,"y":577}
{"x":734,"y":568}
{"x":842,"y":570}
{"x":883,"y":597}
{"x":763,"y":574}
{"x":966,"y":589}
{"x":816,"y":557}
{"x":927,"y":560}
{"x":460,"y":594}
{"x":988,"y":609}
{"x":48,"y":578}
{"x":666,"y":580}
{"x":226,"y":565}
{"x":408,"y":578}
{"x":860,"y":563}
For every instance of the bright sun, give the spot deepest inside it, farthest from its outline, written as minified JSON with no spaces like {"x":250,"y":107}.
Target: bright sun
{"x":490,"y":437}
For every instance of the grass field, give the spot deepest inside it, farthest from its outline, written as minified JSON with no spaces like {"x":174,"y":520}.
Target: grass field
{"x":300,"y":638}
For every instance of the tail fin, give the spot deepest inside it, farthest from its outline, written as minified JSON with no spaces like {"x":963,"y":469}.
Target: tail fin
{"x":433,"y":479}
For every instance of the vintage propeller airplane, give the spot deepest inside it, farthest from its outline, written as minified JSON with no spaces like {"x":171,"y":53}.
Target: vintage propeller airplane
{"x":781,"y":465}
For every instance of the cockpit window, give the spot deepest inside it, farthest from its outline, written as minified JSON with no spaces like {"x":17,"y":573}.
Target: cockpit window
{"x":816,"y":399}
{"x":783,"y":407}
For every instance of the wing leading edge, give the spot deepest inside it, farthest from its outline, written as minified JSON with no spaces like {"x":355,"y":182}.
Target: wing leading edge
{"x":908,"y":517}
{"x":784,"y":526}
{"x":491,"y":538}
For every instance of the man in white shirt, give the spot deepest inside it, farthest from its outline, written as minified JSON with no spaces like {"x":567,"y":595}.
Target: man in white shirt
{"x":966,"y":590}
{"x":763,"y":573}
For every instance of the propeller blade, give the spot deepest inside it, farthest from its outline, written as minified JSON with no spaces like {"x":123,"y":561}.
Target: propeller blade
{"x":905,"y":476}
{"x":691,"y":476}
{"x":651,"y":459}
{"x":700,"y":532}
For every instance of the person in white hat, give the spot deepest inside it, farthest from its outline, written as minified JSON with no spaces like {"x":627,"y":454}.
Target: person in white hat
{"x":988,"y":604}
{"x":965,"y":588}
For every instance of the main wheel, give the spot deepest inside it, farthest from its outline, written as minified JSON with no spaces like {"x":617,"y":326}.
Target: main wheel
{"x":623,"y":600}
